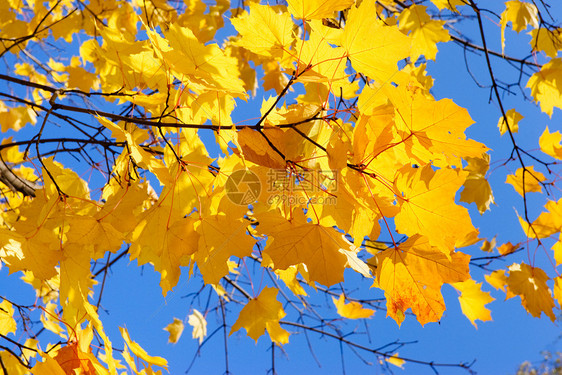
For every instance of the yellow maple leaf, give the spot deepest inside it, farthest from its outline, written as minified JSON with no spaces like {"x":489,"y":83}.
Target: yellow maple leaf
{"x":199,"y":324}
{"x":164,"y":242}
{"x":530,"y":284}
{"x":289,"y":277}
{"x":558,"y":289}
{"x":513,"y":118}
{"x":432,"y":130}
{"x":557,"y":247}
{"x":365,"y":38}
{"x":477,"y":189}
{"x":411,"y":276}
{"x":7,"y":322}
{"x":206,"y":62}
{"x":427,"y":206}
{"x":320,"y":61}
{"x":351,"y":310}
{"x":297,"y":241}
{"x":395,"y":360}
{"x":473,"y":301}
{"x":317,"y":9}
{"x":257,"y":149}
{"x":448,"y":4}
{"x":175,"y":329}
{"x":48,"y":367}
{"x":547,"y":224}
{"x":220,"y":237}
{"x":507,"y":248}
{"x":546,"y":86}
{"x":425,"y":32}
{"x":551,"y":143}
{"x":547,"y":40}
{"x":520,"y":14}
{"x":526,"y":180}
{"x":264,"y":31}
{"x":261,"y":313}
{"x":140,"y":352}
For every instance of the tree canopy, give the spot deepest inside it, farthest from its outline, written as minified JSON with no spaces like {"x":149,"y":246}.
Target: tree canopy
{"x":272,"y":152}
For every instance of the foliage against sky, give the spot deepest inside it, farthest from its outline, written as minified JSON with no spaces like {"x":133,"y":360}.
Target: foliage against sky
{"x":351,"y":165}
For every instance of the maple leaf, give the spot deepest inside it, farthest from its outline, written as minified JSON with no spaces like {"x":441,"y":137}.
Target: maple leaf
{"x":546,"y":86}
{"x":199,"y":324}
{"x":164,"y":242}
{"x":220,"y":237}
{"x":427,"y":206}
{"x":448,"y":4}
{"x":257,"y":149}
{"x":261,"y":313}
{"x":140,"y":352}
{"x":551,"y":143}
{"x":411,"y":275}
{"x":548,"y":40}
{"x":317,"y":9}
{"x":264,"y":31}
{"x":7,"y":322}
{"x":530,"y":284}
{"x":476,"y":187}
{"x":520,"y":14}
{"x":365,"y":38}
{"x":473,"y":300}
{"x":426,"y":33}
{"x":395,"y":360}
{"x":73,"y":360}
{"x":295,"y":241}
{"x":526,"y":180}
{"x":351,"y":310}
{"x":175,"y":329}
{"x":429,"y":128}
{"x":513,"y":118}
{"x":547,"y":224}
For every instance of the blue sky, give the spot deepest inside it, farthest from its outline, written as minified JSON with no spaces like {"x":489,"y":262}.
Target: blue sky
{"x":132,"y":295}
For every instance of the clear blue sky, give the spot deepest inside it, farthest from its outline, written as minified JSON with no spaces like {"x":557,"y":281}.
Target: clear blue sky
{"x":132,"y":294}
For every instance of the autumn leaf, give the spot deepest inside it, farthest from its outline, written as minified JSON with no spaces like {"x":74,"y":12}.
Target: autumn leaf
{"x":365,"y":37}
{"x":473,"y":301}
{"x":140,"y":352}
{"x":73,"y":360}
{"x":199,"y":324}
{"x":428,"y":208}
{"x":317,"y":9}
{"x":411,"y":275}
{"x":546,"y":86}
{"x":477,"y":189}
{"x":261,"y":313}
{"x":296,"y":241}
{"x":175,"y":329}
{"x":263,"y":31}
{"x":395,"y":360}
{"x":551,"y":143}
{"x":425,"y":32}
{"x":166,"y":243}
{"x":526,"y":180}
{"x":220,"y":237}
{"x":521,"y":15}
{"x":7,"y":322}
{"x":530,"y":284}
{"x":547,"y":40}
{"x":513,"y":117}
{"x":351,"y":310}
